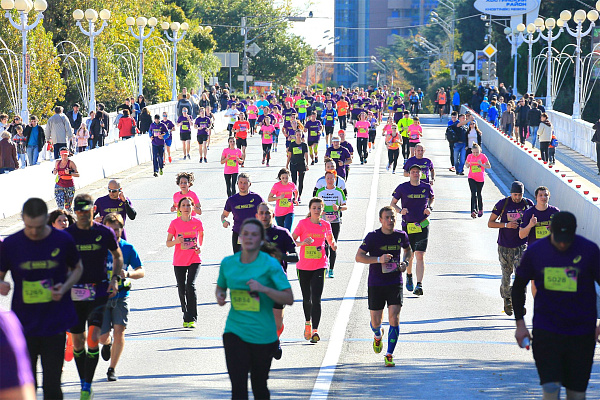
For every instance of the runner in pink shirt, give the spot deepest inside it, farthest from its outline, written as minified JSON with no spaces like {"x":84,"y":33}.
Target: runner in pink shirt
{"x":310,"y":234}
{"x":362,"y":136}
{"x":232,"y":158}
{"x":415,"y":132}
{"x":285,"y":195}
{"x":186,"y":234}
{"x":267,"y":130}
{"x":477,"y":163}
{"x":185,"y":180}
{"x":252,"y":112}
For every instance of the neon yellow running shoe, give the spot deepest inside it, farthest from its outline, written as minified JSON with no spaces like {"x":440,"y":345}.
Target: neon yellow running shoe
{"x":389,"y":360}
{"x":85,"y":395}
{"x":378,"y":343}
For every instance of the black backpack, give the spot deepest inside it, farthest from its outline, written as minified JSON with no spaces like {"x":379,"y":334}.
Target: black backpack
{"x":451,"y":134}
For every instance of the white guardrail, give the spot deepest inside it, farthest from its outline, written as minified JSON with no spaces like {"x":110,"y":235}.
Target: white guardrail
{"x":115,"y":156}
{"x":533,"y":173}
{"x":574,"y":133}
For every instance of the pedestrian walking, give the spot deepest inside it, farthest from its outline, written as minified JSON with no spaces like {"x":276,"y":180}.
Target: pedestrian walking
{"x":36,"y":136}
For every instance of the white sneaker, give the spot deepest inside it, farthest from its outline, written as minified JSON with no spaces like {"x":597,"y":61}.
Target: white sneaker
{"x":370,"y":150}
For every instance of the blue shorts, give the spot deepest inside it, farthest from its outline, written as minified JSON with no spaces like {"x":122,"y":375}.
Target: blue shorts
{"x":168,"y":142}
{"x":301,"y":115}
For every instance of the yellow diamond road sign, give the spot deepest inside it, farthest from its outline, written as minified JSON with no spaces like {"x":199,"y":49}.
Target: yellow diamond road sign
{"x":490,"y":50}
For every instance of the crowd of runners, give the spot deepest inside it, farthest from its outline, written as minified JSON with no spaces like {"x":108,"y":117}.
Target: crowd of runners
{"x":72,"y":276}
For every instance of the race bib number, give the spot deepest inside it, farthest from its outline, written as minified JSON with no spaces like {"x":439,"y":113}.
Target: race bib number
{"x":297,"y":150}
{"x":83,"y":292}
{"x":313,"y":133}
{"x":189,"y":243}
{"x":414,"y":136}
{"x":335,"y":154}
{"x":156,"y":132}
{"x":413,"y":228}
{"x":342,"y":109}
{"x":267,"y":136}
{"x":185,"y":127}
{"x":312,"y":252}
{"x":513,"y":216}
{"x":36,"y":292}
{"x":329,"y":118}
{"x":231,"y":163}
{"x":285,"y":203}
{"x":362,"y":130}
{"x":541,"y":232}
{"x":475,"y":168}
{"x":560,"y":279}
{"x":389,"y":267}
{"x":243,"y":128}
{"x":331,"y":216}
{"x":244,"y":300}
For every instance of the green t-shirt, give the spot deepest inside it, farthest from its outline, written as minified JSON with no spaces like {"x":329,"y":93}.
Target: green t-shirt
{"x":251,"y":317}
{"x":403,"y":125}
{"x":301,"y":106}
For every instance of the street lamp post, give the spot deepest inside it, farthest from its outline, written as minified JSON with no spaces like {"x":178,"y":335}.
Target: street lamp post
{"x":23,"y":7}
{"x":550,"y":23}
{"x":579,"y":17}
{"x":141,"y":23}
{"x":91,"y":16}
{"x":450,"y":29}
{"x":513,"y":39}
{"x":531,"y":29}
{"x":174,"y":38}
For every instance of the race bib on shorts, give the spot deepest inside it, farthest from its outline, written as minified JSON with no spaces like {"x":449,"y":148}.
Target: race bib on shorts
{"x":412,"y":228}
{"x":83,"y":292}
{"x":244,"y":300}
{"x":312,"y":252}
{"x":560,"y":279}
{"x":36,"y":292}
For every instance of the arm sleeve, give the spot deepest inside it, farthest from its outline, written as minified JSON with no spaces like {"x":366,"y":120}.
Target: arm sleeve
{"x":130,"y":211}
{"x":518,"y":296}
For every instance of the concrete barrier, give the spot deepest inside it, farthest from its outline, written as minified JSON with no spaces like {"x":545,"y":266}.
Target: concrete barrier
{"x":20,"y":185}
{"x":574,"y":133}
{"x":533,"y":173}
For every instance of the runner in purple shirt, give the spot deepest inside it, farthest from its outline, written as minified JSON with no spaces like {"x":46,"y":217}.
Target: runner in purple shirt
{"x":427,"y":171}
{"x":384,"y":248}
{"x":339,"y":155}
{"x":114,"y":202}
{"x":157,"y":133}
{"x":242,"y":205}
{"x":16,"y":378}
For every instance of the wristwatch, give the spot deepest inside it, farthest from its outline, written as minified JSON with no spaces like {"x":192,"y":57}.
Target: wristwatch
{"x":117,"y":277}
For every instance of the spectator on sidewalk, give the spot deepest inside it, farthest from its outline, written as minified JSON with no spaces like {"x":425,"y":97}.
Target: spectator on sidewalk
{"x":545,"y":134}
{"x":82,"y":137}
{"x":596,"y":140}
{"x":126,"y":106}
{"x":144,"y":121}
{"x":35,"y":136}
{"x":139,"y":106}
{"x":127,"y":128}
{"x":13,"y":125}
{"x":75,"y":117}
{"x":20,"y":142}
{"x":3,"y":122}
{"x":533,"y":120}
{"x":8,"y":154}
{"x":521,"y":116}
{"x":456,"y":101}
{"x":183,"y":103}
{"x":508,"y":119}
{"x":58,"y":131}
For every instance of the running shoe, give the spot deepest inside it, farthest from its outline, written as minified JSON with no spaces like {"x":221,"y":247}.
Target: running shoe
{"x":200,"y":160}
{"x":111,"y":376}
{"x":387,"y":168}
{"x":155,"y":174}
{"x":184,"y":157}
{"x":409,"y":283}
{"x":160,"y":171}
{"x":312,"y":162}
{"x":370,"y":150}
{"x":192,"y":325}
{"x":315,"y":337}
{"x":278,"y":352}
{"x":69,"y":348}
{"x":508,"y":308}
{"x":480,"y":214}
{"x":389,"y":360}
{"x":205,"y":160}
{"x":105,"y":352}
{"x":394,"y":171}
{"x":418,"y":290}
{"x":268,"y":165}
{"x":330,"y":274}
{"x":452,"y":169}
{"x":86,"y":395}
{"x":170,"y":159}
{"x":307,"y":330}
{"x":365,"y":160}
{"x":186,"y":324}
{"x":263,"y":161}
{"x":473,"y":214}
{"x":316,"y":159}
{"x":361,"y":162}
{"x":378,"y":343}
{"x":189,"y":157}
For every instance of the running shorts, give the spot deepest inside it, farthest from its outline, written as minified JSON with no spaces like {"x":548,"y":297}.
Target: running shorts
{"x":418,"y":241}
{"x":185,"y":136}
{"x":202,"y":138}
{"x":91,"y":312}
{"x":240,"y":142}
{"x":380,"y":295}
{"x":116,"y":313}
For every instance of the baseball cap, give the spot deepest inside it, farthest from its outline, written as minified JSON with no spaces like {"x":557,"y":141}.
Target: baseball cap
{"x":516,"y":187}
{"x":563,"y":225}
{"x":83,"y":205}
{"x":415,"y":166}
{"x":341,"y":131}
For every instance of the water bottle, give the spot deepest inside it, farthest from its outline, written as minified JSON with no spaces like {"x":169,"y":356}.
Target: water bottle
{"x":525,"y":343}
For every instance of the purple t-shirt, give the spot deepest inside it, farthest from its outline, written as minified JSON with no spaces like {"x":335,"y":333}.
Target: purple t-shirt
{"x":314,"y":130}
{"x":93,"y":245}
{"x":425,"y":163}
{"x":512,"y":212}
{"x":540,"y":230}
{"x":283,"y":240}
{"x":155,"y":130}
{"x":242,"y":208}
{"x":169,"y":126}
{"x":346,"y":144}
{"x":186,"y":126}
{"x":105,"y":205}
{"x":376,"y":244}
{"x":203,"y":123}
{"x":339,"y":154}
{"x":356,"y":105}
{"x":565,"y":302}
{"x":35,"y":267}
{"x":415,"y":199}
{"x":16,"y":366}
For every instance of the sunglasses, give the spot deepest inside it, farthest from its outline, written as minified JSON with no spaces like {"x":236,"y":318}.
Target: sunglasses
{"x":114,"y":190}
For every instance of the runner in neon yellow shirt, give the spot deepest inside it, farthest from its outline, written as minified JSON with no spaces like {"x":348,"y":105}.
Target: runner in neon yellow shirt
{"x":403,"y":125}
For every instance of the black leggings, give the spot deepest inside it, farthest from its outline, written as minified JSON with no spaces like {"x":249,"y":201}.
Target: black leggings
{"x":252,"y":125}
{"x":342,"y":120}
{"x":361,"y":144}
{"x":266,"y":151}
{"x":332,"y":255}
{"x":230,"y":181}
{"x":51,"y":349}
{"x":298,"y":172}
{"x":234,"y":242}
{"x":243,"y":358}
{"x":186,"y":286}
{"x":451,"y":145}
{"x":405,"y":148}
{"x":311,"y":285}
{"x":476,"y":199}
{"x":393,"y":158}
{"x":544,"y":146}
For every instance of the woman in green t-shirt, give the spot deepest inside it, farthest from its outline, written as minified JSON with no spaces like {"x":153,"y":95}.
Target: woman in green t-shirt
{"x":255,"y":281}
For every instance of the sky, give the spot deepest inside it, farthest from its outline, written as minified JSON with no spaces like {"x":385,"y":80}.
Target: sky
{"x":313,"y":30}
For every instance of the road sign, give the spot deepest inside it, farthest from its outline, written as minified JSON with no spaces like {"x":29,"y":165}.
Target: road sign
{"x":468,"y":57}
{"x":248,"y":78}
{"x":506,"y":8}
{"x":229,"y":59}
{"x":253,"y":49}
{"x":468,"y":67}
{"x":489,"y":50}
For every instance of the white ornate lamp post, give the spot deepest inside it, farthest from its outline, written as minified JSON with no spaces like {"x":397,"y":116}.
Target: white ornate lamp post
{"x":92,"y":17}
{"x":141,"y":23}
{"x":550,"y":23}
{"x":513,"y":38}
{"x":174,"y":38}
{"x":529,"y":39}
{"x":23,"y":7}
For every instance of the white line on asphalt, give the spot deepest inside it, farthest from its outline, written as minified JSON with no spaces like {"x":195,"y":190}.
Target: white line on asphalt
{"x":338,"y":333}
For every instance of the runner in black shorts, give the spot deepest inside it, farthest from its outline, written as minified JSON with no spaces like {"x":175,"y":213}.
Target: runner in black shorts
{"x":283,"y":241}
{"x":384,"y":247}
{"x":564,"y":267}
{"x":416,"y":198}
{"x":92,"y":291}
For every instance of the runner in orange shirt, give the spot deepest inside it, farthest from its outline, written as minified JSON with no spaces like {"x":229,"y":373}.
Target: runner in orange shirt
{"x":240,"y":129}
{"x":342,"y":111}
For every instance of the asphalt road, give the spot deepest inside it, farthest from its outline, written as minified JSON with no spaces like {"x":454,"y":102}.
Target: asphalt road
{"x":455,"y":341}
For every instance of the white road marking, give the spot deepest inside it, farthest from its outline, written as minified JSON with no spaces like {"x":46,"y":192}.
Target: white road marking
{"x":338,"y":333}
